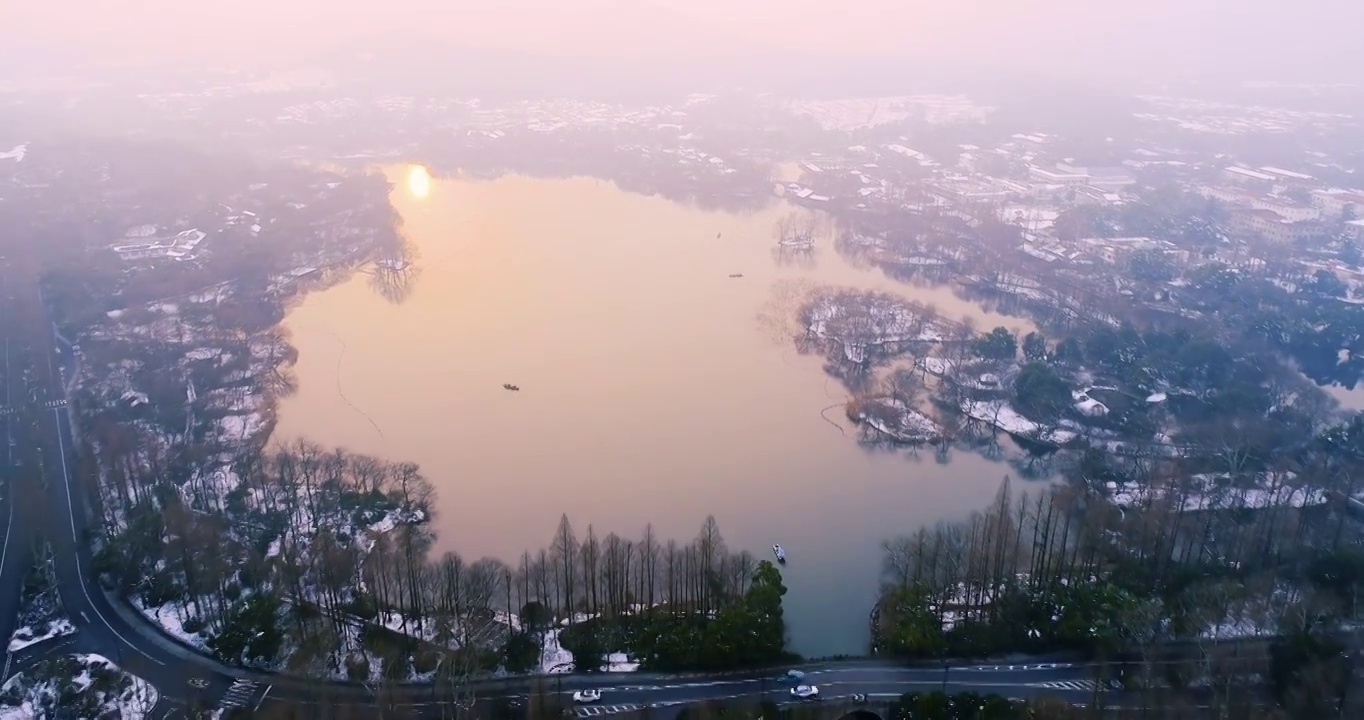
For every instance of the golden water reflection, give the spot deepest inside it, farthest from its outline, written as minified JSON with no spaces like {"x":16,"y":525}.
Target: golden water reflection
{"x":418,"y":181}
{"x":651,"y":392}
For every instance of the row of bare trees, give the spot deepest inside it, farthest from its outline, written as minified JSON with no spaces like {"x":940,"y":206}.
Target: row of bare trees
{"x":613,"y":575}
{"x":346,"y":537}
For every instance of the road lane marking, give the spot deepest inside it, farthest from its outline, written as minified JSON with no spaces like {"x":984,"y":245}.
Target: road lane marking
{"x":80,"y":574}
{"x":1016,"y":668}
{"x":262,"y":698}
{"x":585,"y":711}
{"x":239,"y":695}
{"x":1078,"y":685}
{"x":10,"y":525}
{"x":61,"y":448}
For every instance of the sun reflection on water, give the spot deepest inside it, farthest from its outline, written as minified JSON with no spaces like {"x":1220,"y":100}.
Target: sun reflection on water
{"x":419,"y":181}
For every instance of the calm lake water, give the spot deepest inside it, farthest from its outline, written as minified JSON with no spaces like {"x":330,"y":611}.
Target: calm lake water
{"x":650,"y":389}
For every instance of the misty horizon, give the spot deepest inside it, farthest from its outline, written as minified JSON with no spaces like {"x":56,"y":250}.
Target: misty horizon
{"x":760,"y":42}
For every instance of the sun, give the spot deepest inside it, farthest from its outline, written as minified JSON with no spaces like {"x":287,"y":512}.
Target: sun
{"x":418,"y":181}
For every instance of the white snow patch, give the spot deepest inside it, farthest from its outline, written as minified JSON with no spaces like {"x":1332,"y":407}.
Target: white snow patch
{"x":553,"y":658}
{"x":1002,"y":415}
{"x":168,"y":617}
{"x":25,"y":636}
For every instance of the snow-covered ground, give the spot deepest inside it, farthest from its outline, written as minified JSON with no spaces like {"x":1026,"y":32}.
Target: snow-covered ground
{"x":1003,"y":416}
{"x":85,"y":686}
{"x":26,"y":635}
{"x":891,"y":418}
{"x":555,"y":659}
{"x":41,"y":616}
{"x":171,"y":617}
{"x":1220,"y":492}
{"x":860,"y":321}
{"x":859,"y":113}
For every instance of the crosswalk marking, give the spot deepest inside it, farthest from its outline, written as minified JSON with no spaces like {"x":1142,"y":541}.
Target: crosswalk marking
{"x":240,"y":694}
{"x":1014,"y":668}
{"x":1089,"y":686}
{"x":586,"y":711}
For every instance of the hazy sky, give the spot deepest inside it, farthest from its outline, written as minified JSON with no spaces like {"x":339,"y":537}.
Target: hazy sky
{"x":1254,"y":37}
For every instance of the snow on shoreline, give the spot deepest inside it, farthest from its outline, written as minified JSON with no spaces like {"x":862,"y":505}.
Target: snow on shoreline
{"x":861,"y":321}
{"x":891,"y":418}
{"x":1003,"y":416}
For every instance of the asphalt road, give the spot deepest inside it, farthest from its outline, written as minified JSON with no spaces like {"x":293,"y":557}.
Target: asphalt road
{"x":14,"y":559}
{"x":187,"y":678}
{"x":624,"y":692}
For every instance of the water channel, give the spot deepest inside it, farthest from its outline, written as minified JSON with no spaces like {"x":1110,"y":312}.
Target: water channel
{"x":651,"y":390}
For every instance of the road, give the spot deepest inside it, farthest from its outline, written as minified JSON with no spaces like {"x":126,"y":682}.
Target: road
{"x":622,"y":692}
{"x":187,"y":678}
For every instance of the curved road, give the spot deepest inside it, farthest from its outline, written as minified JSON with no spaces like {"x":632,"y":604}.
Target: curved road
{"x":187,"y":678}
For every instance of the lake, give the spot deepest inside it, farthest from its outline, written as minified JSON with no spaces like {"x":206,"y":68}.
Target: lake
{"x":651,"y":391}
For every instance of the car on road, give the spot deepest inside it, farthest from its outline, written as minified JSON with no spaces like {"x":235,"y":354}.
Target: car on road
{"x":805,"y":692}
{"x":587,"y":696}
{"x":793,"y":676}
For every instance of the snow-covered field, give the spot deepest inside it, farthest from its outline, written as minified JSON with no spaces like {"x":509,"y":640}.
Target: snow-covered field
{"x":84,"y":686}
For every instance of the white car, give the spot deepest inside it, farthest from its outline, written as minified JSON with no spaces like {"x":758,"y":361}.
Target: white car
{"x":805,"y":692}
{"x":587,"y":696}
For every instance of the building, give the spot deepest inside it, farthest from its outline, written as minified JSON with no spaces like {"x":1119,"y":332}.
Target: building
{"x":1334,"y":202}
{"x":178,"y":247}
{"x":1290,"y":210}
{"x":967,"y":191}
{"x":1103,"y":178}
{"x":1110,"y":179}
{"x":1057,"y":176}
{"x":1246,"y":176}
{"x":1287,"y":177}
{"x":1271,"y":225}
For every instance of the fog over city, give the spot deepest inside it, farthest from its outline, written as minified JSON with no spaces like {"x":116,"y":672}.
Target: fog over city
{"x":669,"y":360}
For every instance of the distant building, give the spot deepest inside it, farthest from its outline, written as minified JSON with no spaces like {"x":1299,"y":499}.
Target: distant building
{"x":1246,"y":176}
{"x":958,"y":191}
{"x":1103,"y":178}
{"x":1334,"y":202}
{"x":1111,"y":249}
{"x":1271,"y":225}
{"x":1290,"y":210}
{"x":1057,"y":176}
{"x":1110,"y":178}
{"x":1355,"y":228}
{"x":1287,"y":177}
{"x":178,"y":247}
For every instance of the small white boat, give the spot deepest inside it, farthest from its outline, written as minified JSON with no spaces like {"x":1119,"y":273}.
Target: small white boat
{"x":781,"y":554}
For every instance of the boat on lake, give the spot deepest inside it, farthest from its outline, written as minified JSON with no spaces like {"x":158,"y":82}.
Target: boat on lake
{"x":781,"y":554}
{"x":511,"y":387}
